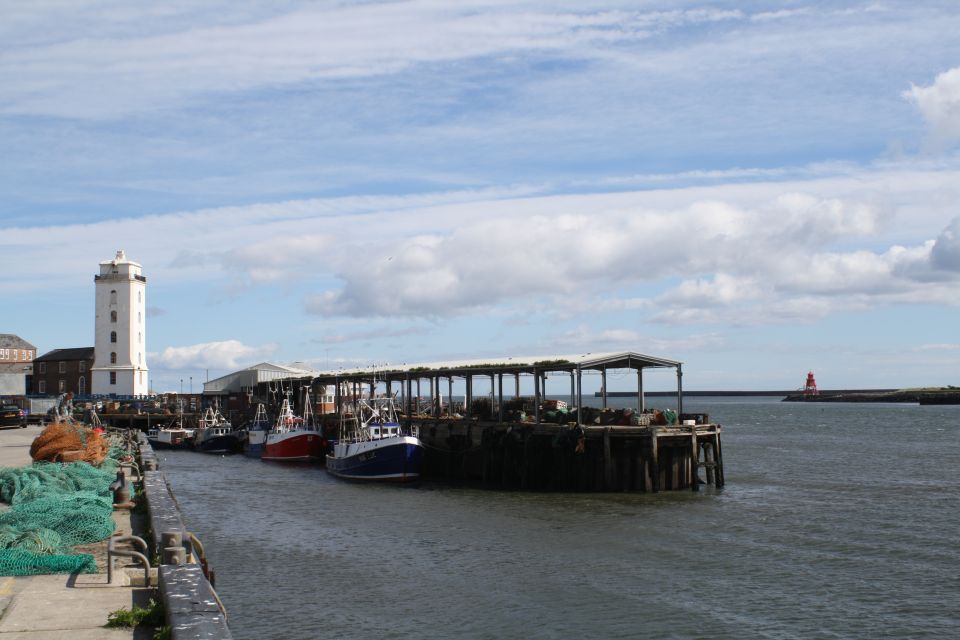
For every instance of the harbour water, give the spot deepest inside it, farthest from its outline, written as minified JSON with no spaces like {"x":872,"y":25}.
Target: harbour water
{"x":837,"y":521}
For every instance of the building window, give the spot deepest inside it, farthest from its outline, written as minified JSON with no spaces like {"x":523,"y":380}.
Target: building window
{"x":42,"y":386}
{"x":63,"y":367}
{"x":43,"y":367}
{"x":113,"y":377}
{"x":139,"y":337}
{"x":113,"y":316}
{"x":113,"y":357}
{"x":139,"y":358}
{"x":141,"y":377}
{"x":83,"y":366}
{"x":113,"y":336}
{"x":62,"y":386}
{"x":82,"y":386}
{"x":113,"y":297}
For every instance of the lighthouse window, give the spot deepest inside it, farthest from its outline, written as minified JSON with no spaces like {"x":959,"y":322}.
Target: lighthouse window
{"x":139,"y":337}
{"x":113,"y":297}
{"x":113,"y":336}
{"x":139,"y":321}
{"x":113,"y":316}
{"x":139,"y":296}
{"x":113,"y":377}
{"x":113,"y":357}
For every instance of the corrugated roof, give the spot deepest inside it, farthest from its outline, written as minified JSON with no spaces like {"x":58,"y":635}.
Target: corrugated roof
{"x":613,"y":360}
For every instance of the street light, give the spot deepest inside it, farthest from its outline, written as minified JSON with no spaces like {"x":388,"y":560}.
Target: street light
{"x":181,"y":386}
{"x":191,"y":385}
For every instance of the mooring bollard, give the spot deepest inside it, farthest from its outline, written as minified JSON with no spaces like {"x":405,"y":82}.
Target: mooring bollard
{"x":173,"y":549}
{"x":121,"y":492}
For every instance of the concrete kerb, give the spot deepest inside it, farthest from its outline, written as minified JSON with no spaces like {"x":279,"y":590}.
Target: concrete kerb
{"x":192,"y":607}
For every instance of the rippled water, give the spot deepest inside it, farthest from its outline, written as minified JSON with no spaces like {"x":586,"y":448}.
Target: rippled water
{"x":836,"y":521}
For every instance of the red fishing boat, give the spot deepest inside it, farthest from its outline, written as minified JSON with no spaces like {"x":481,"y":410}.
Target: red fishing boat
{"x":294,"y":439}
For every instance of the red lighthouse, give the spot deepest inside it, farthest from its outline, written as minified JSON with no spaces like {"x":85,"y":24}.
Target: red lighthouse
{"x":810,"y":387}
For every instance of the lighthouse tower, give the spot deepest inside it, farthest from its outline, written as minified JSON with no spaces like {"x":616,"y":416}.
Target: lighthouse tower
{"x":120,"y":364}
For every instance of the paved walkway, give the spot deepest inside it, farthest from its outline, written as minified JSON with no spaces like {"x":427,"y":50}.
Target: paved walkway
{"x":61,"y":607}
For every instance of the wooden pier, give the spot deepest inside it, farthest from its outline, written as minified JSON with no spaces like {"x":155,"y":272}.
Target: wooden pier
{"x":512,"y":442}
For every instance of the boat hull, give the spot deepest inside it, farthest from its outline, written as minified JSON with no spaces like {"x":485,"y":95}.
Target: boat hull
{"x":394,"y":459}
{"x":294,"y":446}
{"x":255,"y":443}
{"x":176,"y":444}
{"x":219,"y":444}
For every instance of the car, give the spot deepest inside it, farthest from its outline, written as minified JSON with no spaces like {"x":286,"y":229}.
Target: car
{"x":12,"y":416}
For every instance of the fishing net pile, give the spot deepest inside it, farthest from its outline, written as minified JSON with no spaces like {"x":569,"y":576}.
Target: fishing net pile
{"x":69,"y":442}
{"x":54,"y":507}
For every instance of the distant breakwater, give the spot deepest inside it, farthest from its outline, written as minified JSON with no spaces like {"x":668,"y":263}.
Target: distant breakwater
{"x":915,"y":396}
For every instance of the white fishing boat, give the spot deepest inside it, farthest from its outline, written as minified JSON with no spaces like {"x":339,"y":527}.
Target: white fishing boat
{"x":215,"y":434}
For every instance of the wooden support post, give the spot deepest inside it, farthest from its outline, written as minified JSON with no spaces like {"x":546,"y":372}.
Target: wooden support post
{"x":337,"y":399}
{"x":679,"y":393}
{"x":418,"y":396}
{"x":654,"y":461}
{"x":468,"y":398}
{"x":536,"y":396}
{"x":579,"y":397}
{"x":500,"y":404}
{"x":641,"y":400}
{"x":718,"y":456}
{"x":573,"y":389}
{"x":450,"y":396}
{"x":694,"y":461}
{"x":607,"y":460}
{"x":516,"y":385}
{"x":389,"y":388}
{"x":493,"y":399}
{"x":408,"y":395}
{"x":710,"y":460}
{"x":603,"y":383}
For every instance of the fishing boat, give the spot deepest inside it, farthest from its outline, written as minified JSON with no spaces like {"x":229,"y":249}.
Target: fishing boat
{"x":294,"y":438}
{"x":173,"y":435}
{"x":256,"y":433}
{"x":373,"y":445}
{"x":215,"y":434}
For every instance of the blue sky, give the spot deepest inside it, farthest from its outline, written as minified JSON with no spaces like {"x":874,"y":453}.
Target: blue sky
{"x":756,"y":189}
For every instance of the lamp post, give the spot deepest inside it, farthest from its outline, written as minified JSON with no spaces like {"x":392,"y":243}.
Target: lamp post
{"x":181,"y":386}
{"x":191,"y":385}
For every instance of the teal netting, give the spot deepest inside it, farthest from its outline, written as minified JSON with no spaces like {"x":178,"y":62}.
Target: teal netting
{"x":54,"y":507}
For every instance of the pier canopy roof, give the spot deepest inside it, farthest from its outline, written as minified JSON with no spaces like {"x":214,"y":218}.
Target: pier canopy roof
{"x":509,"y":364}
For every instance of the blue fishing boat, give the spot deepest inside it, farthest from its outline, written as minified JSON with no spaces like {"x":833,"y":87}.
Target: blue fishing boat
{"x":256,"y":435}
{"x":374,"y":446}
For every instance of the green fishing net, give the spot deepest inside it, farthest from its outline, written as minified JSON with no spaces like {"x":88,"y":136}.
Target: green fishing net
{"x":54,"y":507}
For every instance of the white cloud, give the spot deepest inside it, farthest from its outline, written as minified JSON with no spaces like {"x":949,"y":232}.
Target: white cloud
{"x":939,"y":104}
{"x":945,"y":253}
{"x":118,"y":70}
{"x":226,"y":354}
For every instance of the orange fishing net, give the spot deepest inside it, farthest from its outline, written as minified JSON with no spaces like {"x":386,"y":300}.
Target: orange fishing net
{"x":63,"y":442}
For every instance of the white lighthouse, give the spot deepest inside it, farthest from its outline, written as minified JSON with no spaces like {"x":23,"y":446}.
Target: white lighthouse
{"x":120,"y":362}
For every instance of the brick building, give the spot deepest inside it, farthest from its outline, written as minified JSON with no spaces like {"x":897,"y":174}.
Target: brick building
{"x":63,"y":370}
{"x":16,"y":358}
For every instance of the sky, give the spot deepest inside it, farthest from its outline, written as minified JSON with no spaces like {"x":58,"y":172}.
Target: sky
{"x":755,"y":189}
